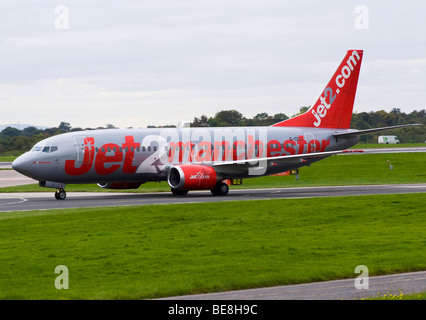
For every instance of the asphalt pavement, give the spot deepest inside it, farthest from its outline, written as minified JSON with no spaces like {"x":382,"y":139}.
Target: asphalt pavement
{"x":346,"y":289}
{"x":46,"y":200}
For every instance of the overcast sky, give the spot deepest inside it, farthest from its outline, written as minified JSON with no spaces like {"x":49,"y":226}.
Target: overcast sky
{"x":138,"y":63}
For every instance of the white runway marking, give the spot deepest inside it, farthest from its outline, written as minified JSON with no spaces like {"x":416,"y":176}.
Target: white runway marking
{"x":8,"y":197}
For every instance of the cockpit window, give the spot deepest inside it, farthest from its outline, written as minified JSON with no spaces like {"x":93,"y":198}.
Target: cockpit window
{"x":46,"y":149}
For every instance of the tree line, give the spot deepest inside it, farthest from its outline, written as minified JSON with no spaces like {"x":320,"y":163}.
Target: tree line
{"x":361,"y":121}
{"x":14,"y":141}
{"x":369,"y":120}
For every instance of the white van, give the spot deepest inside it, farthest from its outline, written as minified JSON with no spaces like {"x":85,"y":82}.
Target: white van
{"x":388,"y":139}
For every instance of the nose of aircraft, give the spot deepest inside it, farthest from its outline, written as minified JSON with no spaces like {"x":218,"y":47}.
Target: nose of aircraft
{"x":22,"y":165}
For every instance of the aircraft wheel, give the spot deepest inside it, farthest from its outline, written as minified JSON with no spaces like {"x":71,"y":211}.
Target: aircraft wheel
{"x":220,"y":189}
{"x":178,"y":192}
{"x":60,"y":195}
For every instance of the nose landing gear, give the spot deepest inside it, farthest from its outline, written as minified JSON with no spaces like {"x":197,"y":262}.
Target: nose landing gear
{"x":60,"y":194}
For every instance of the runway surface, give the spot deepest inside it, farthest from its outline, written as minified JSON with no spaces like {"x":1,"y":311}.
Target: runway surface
{"x":378,"y":286}
{"x":10,"y":178}
{"x":46,"y":200}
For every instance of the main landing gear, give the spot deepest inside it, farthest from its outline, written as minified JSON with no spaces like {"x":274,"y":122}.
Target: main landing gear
{"x":60,"y":194}
{"x":221,"y":189}
{"x":178,"y":192}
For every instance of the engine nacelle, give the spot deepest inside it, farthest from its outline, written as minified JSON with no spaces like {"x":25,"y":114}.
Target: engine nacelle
{"x":192,"y":177}
{"x":120,"y":185}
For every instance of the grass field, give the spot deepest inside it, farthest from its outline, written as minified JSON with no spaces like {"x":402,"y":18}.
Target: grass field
{"x":153,"y":251}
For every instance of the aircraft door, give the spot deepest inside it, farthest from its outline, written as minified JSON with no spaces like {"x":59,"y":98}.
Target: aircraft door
{"x":85,"y":149}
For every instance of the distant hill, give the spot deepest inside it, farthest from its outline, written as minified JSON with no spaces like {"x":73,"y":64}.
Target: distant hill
{"x":21,"y":126}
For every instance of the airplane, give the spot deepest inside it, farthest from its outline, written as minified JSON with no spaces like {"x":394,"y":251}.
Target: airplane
{"x":201,"y":158}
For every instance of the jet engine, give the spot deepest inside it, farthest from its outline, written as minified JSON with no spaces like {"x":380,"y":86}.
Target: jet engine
{"x":192,"y":177}
{"x":120,"y":185}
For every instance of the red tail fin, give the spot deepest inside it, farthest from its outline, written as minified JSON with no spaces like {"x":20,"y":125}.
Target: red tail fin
{"x":334,"y":107}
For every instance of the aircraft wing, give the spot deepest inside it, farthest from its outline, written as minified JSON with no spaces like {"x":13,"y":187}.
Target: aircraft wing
{"x":287,"y":158}
{"x":351,"y":133}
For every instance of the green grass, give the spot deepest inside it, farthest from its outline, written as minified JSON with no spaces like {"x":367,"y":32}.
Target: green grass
{"x":148,"y":187}
{"x":163,"y":250}
{"x":7,"y":158}
{"x":398,"y":295}
{"x":381,"y":145}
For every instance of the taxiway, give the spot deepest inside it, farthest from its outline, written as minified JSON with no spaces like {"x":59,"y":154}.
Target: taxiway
{"x":345,"y":289}
{"x":46,"y":200}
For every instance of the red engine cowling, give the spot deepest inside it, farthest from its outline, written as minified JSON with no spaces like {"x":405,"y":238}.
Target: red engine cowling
{"x":120,"y":185}
{"x":192,"y":177}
